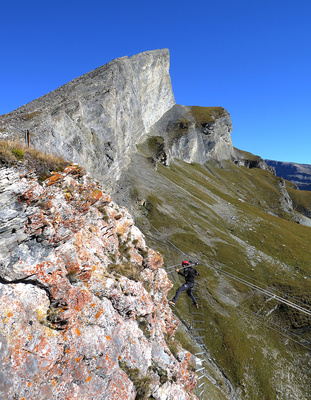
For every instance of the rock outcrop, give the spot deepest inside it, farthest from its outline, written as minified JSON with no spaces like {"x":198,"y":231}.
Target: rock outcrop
{"x":249,"y":160}
{"x":97,"y":119}
{"x":193,"y":134}
{"x":83,"y":311}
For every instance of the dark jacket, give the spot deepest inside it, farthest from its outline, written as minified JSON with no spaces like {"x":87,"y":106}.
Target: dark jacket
{"x":189,"y":273}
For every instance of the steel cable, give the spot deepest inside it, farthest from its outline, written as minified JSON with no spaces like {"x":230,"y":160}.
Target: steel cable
{"x":253,"y":286}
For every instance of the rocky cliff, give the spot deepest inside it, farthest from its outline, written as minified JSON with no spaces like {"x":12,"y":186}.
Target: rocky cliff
{"x":98,"y":119}
{"x":249,"y":160}
{"x":83,"y":311}
{"x":192,"y":134}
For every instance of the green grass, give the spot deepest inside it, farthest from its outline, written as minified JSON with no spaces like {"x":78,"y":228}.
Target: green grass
{"x":18,"y":153}
{"x":126,"y":268}
{"x":231,"y":216}
{"x":205,"y":115}
{"x":141,"y":383}
{"x":27,"y":117}
{"x":301,"y":199}
{"x":177,"y":130}
{"x":156,"y":146}
{"x":245,"y":155}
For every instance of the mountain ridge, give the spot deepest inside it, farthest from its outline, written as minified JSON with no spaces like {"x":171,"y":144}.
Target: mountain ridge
{"x":193,"y":196}
{"x":98,"y":119}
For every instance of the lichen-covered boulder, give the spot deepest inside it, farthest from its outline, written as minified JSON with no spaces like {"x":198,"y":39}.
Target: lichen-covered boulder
{"x":83,"y":313}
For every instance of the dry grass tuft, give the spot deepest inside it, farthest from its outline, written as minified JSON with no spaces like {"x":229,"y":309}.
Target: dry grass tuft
{"x":41,"y":163}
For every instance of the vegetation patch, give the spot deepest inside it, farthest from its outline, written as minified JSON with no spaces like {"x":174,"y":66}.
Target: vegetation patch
{"x":177,"y":130}
{"x":42,"y":164}
{"x":206,"y":115}
{"x":172,"y":345}
{"x":18,"y":153}
{"x":144,"y":326}
{"x":245,"y":155}
{"x":232,"y":217}
{"x":301,"y":200}
{"x":156,"y":146}
{"x":142,"y":384}
{"x":29,"y":116}
{"x":102,"y":210}
{"x":128,"y":269}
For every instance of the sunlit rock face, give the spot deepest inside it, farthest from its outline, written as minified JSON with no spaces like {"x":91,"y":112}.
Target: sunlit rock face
{"x":97,"y":119}
{"x":84,"y":313}
{"x":194,"y":134}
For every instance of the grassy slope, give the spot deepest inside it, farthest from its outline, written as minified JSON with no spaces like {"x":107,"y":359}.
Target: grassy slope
{"x":227,"y":217}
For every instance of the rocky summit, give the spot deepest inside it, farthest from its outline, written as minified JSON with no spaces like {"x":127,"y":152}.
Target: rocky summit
{"x":98,"y":118}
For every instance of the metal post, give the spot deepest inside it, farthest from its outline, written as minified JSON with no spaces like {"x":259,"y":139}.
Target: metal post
{"x":27,"y":138}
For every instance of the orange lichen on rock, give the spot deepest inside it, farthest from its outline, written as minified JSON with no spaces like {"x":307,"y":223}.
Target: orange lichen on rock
{"x":99,"y":313}
{"x":72,"y":311}
{"x":75,"y":170}
{"x":56,"y":177}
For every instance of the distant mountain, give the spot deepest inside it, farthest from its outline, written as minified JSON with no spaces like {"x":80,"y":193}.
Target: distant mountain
{"x":300,"y":174}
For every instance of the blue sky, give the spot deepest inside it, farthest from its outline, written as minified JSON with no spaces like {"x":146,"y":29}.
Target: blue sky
{"x":252,"y":57}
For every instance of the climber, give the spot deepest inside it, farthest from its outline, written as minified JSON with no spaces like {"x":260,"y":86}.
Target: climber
{"x":188,"y":273}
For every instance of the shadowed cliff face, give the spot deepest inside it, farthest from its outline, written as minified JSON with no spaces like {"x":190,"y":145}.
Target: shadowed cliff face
{"x":83,"y":311}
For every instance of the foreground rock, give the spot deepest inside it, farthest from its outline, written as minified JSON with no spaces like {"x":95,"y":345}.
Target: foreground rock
{"x":84,"y":312}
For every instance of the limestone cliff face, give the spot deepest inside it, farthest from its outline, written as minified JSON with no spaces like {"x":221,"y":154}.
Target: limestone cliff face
{"x":97,"y":119}
{"x":83,"y":310}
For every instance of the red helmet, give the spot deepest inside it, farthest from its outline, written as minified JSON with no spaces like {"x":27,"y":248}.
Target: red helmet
{"x":185,"y":263}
